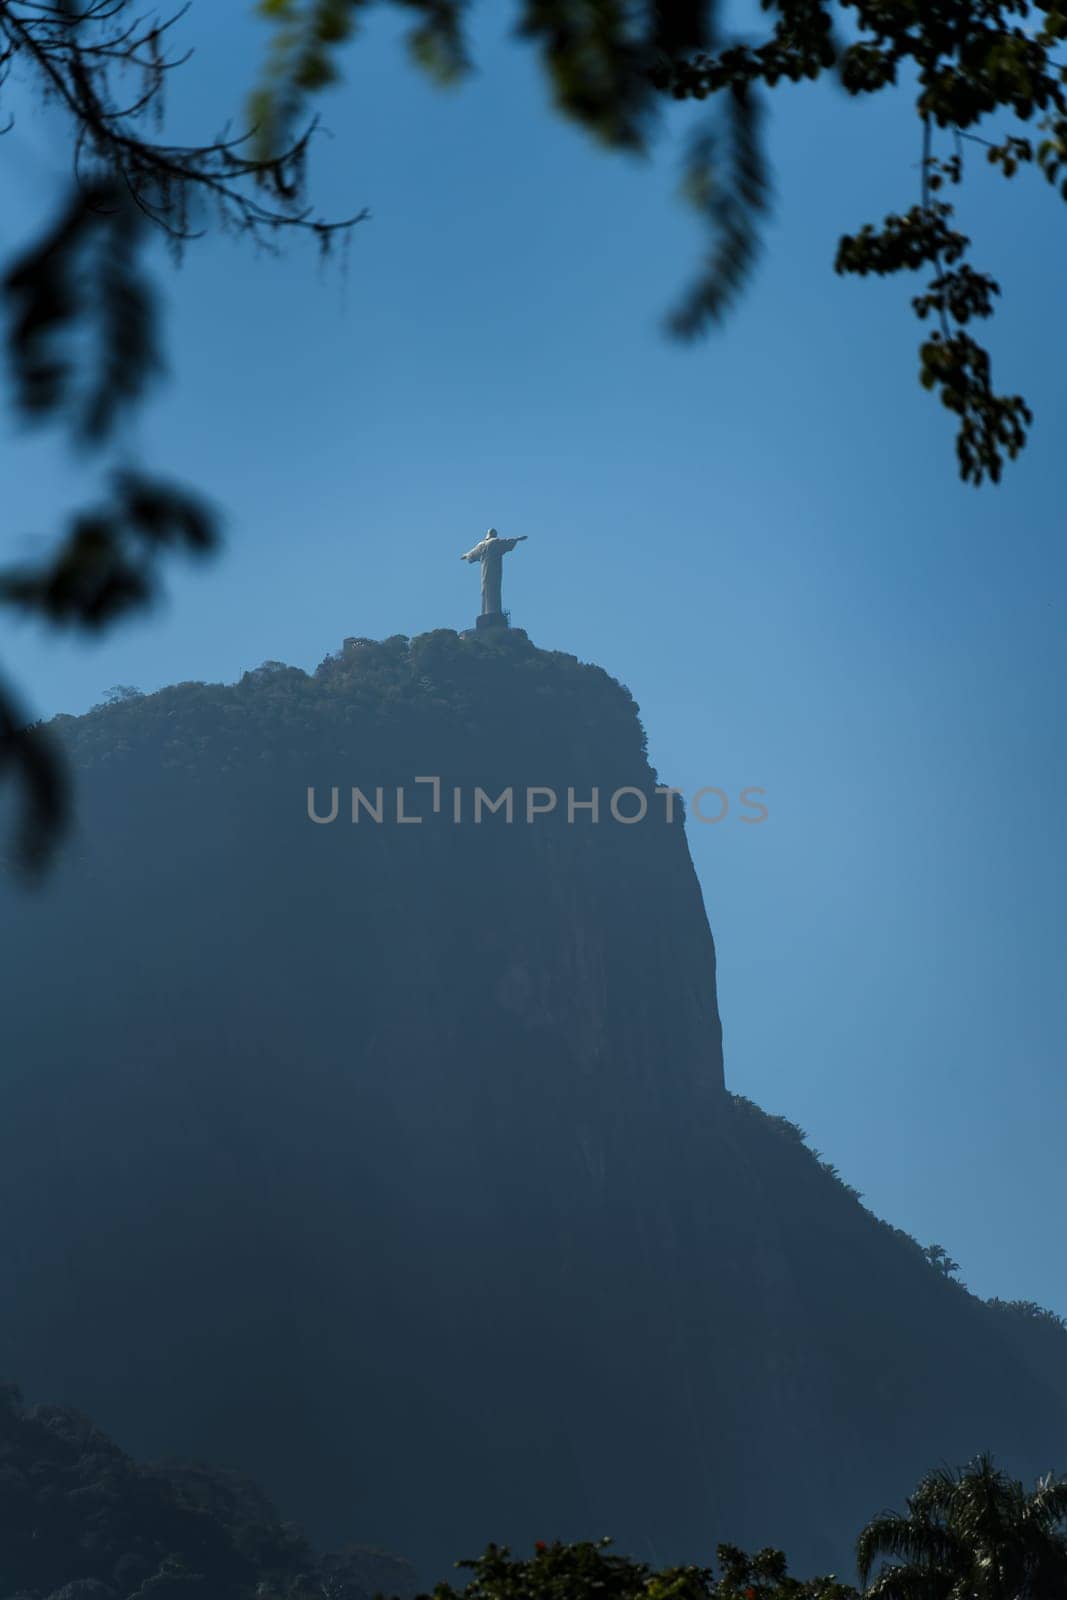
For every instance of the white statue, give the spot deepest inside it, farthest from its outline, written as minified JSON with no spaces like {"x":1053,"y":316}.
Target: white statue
{"x":491,"y":552}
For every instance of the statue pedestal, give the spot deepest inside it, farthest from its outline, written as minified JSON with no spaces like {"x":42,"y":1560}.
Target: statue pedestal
{"x":492,"y":619}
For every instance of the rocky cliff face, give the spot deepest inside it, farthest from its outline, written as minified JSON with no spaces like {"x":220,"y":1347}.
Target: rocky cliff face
{"x":391,"y":1162}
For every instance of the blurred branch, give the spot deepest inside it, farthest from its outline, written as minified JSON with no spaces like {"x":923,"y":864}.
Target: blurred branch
{"x":107,"y":565}
{"x":732,"y":193}
{"x":28,"y":754}
{"x":83,"y":341}
{"x":83,"y":277}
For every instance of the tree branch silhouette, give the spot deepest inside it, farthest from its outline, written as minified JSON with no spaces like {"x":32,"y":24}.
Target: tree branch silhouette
{"x":83,"y":340}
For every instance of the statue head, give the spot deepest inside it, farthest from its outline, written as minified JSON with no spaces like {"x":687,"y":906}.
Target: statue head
{"x":492,"y":534}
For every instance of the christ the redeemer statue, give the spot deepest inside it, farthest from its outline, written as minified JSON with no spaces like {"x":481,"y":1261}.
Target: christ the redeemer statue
{"x":491,"y":552}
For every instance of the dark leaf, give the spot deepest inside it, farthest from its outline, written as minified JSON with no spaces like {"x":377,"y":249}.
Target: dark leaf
{"x":727,"y":181}
{"x":106,"y":565}
{"x":82,"y":328}
{"x":29,"y":758}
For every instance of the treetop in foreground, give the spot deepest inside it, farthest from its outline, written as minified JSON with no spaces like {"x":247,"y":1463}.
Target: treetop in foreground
{"x":590,"y":1570}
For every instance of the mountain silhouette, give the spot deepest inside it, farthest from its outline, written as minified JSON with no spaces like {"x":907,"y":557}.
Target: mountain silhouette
{"x":391,"y":1162}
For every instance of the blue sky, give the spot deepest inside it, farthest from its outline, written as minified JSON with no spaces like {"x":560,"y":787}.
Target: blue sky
{"x":762,"y":535}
